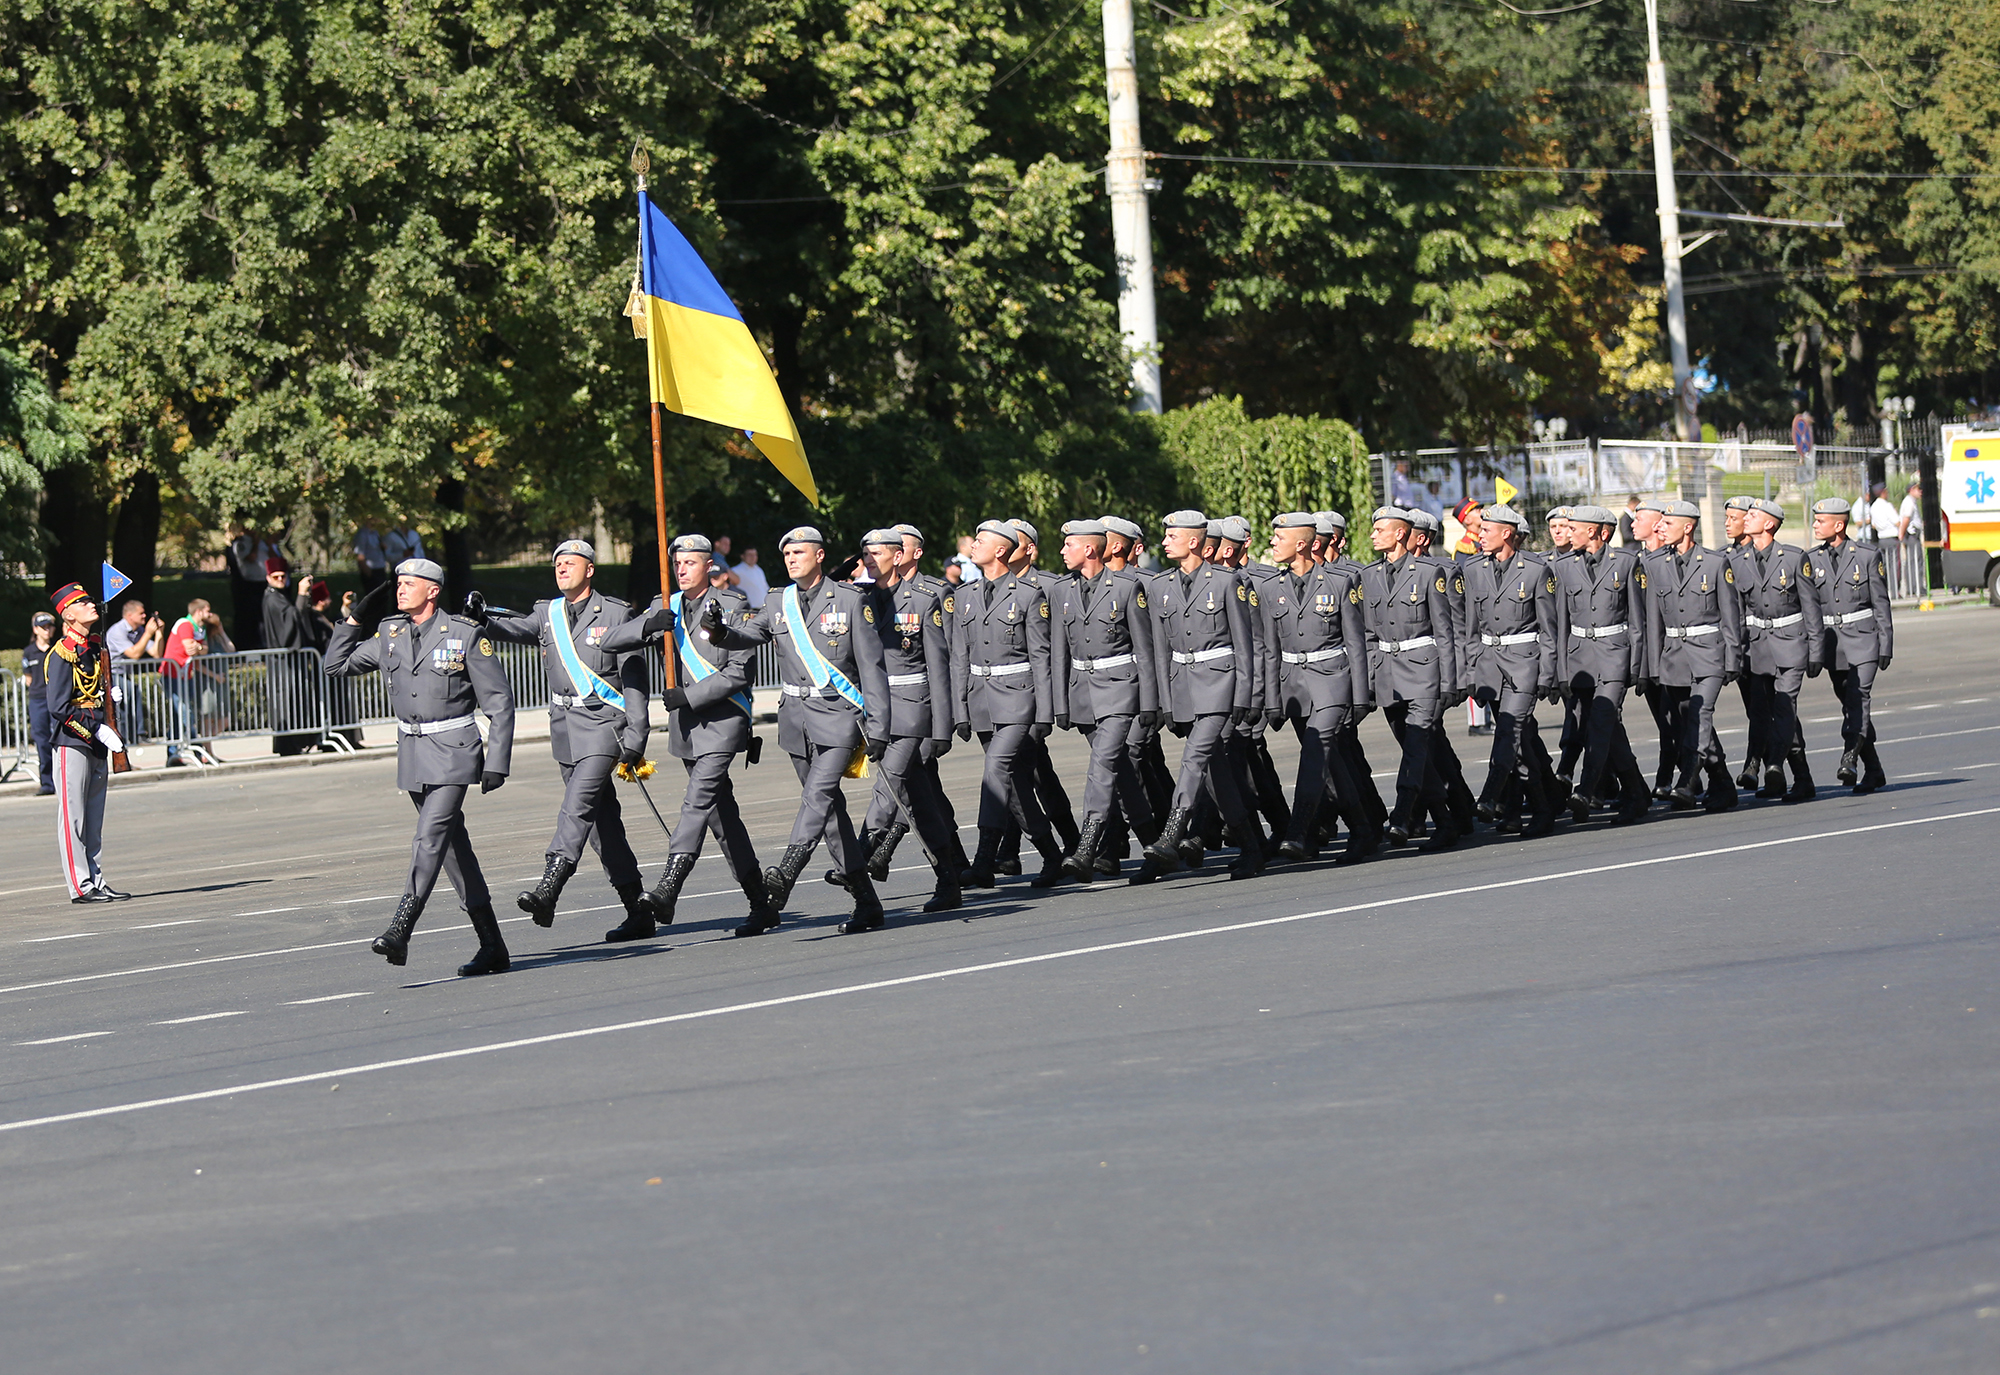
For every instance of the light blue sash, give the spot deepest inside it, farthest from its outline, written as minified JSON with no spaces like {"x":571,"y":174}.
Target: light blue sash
{"x":586,"y":683}
{"x":699,"y":668}
{"x":822,"y":672}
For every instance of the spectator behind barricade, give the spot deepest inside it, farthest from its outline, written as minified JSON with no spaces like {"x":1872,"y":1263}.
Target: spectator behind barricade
{"x":134,"y":638}
{"x":1859,"y":527}
{"x":1433,"y":499}
{"x":1626,"y":539}
{"x":750,"y":579}
{"x":34,"y":676}
{"x":1402,"y":492}
{"x":1910,"y":527}
{"x":1882,"y":521}
{"x":196,"y":694}
{"x":293,"y":686}
{"x":968,"y":571}
{"x":719,"y":570}
{"x":398,"y":545}
{"x":370,"y":557}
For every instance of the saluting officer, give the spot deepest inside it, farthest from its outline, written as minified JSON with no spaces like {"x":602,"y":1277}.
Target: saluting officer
{"x":439,"y":667}
{"x":1694,"y":631}
{"x":1001,"y":690}
{"x":1782,"y":645}
{"x":1510,"y":609}
{"x":1318,"y":671}
{"x":835,"y":700}
{"x":709,"y":712}
{"x":76,"y":681}
{"x":1600,"y":645}
{"x":1854,"y":606}
{"x":1104,"y":684}
{"x":597,"y":719}
{"x":1203,"y":651}
{"x":1406,"y":606}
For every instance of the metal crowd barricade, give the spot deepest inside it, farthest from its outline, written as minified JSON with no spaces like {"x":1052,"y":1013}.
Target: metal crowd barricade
{"x":17,"y":743}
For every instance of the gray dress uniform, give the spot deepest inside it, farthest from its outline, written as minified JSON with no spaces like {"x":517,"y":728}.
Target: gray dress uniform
{"x":1000,"y":688}
{"x":1038,"y":769}
{"x":1859,"y":638}
{"x":1510,"y":607}
{"x":586,"y":732}
{"x":1316,"y":664}
{"x":437,"y":673}
{"x":1406,"y":606}
{"x":1694,"y":642}
{"x":1782,"y":644}
{"x":1204,"y":651}
{"x":909,"y":621}
{"x":1104,"y":677}
{"x":1600,"y":634}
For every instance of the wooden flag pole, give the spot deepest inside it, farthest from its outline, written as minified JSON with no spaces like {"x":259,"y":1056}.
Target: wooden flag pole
{"x":641,"y":164}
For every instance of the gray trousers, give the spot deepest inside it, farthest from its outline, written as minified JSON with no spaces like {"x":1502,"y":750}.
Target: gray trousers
{"x":1114,"y":773}
{"x":1514,"y":722}
{"x":1695,"y":741}
{"x":1003,"y":790}
{"x":81,"y":781}
{"x":1601,"y":711}
{"x":710,"y":805}
{"x":1413,"y":721}
{"x":442,"y":843}
{"x":823,"y":807}
{"x":1203,"y":765}
{"x":1855,"y":687}
{"x":885,"y":807}
{"x":591,"y":814}
{"x":907,"y":776}
{"x":1322,"y":760}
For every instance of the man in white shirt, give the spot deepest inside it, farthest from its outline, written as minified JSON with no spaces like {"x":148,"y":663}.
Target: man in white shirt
{"x":1882,"y":520}
{"x":1910,"y":531}
{"x":750,"y":579}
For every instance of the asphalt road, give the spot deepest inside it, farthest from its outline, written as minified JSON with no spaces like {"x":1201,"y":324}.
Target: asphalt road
{"x":1707,"y":1094}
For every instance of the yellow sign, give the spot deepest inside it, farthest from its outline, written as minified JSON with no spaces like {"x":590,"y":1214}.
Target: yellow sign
{"x":1504,"y":491}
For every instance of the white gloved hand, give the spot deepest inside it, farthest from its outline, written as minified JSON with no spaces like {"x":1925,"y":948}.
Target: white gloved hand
{"x":109,"y":738}
{"x":117,"y":694}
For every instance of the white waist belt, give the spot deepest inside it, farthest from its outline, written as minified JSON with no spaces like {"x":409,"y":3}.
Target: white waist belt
{"x":1866,"y":613}
{"x":1778,"y":624}
{"x":794,"y":690}
{"x":1398,"y":646}
{"x":996,"y":670}
{"x":1525,"y":639}
{"x":1600,"y":632}
{"x":908,"y":679}
{"x":1313,"y":656}
{"x":1108,"y":661}
{"x":433,"y":727}
{"x":1202,"y":656}
{"x":1691,"y":632}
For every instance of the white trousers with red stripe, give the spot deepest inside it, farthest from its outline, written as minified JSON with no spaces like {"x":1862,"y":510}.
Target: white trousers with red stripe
{"x":81,"y":781}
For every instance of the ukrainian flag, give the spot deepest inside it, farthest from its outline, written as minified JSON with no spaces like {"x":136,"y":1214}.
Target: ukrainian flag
{"x":700,"y":355}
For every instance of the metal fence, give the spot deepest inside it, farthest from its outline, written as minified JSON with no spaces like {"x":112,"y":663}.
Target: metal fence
{"x":17,"y":746}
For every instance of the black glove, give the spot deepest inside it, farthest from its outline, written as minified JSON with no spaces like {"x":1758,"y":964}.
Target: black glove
{"x":1812,"y":670}
{"x":963,"y":730}
{"x":876,"y":747}
{"x":1039,"y":731}
{"x":1550,"y":694}
{"x":941,"y":747}
{"x":1180,"y":728}
{"x":630,"y":755}
{"x":1149,"y":720}
{"x":1644,"y":683}
{"x":1882,"y":664}
{"x":1275,"y":718}
{"x":673,"y":698}
{"x":1729,"y":675}
{"x":711,"y":615}
{"x":659,"y":620}
{"x":475,"y":606}
{"x":490,"y":780}
{"x":368,"y":611}
{"x":1241,"y":716}
{"x":1062,"y":720}
{"x":1362,"y":711}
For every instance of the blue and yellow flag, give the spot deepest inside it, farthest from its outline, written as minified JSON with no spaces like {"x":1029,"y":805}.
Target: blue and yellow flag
{"x":700,"y":355}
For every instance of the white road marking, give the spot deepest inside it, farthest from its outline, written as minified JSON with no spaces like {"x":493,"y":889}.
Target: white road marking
{"x":330,"y":998}
{"x":156,"y":925}
{"x":205,"y":1017}
{"x":58,"y":1040}
{"x":181,"y":964}
{"x":793,"y":999}
{"x":267,"y":912}
{"x":379,"y":897}
{"x":72,"y":936}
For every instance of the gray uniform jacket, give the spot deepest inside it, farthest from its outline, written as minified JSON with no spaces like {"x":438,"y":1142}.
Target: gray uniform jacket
{"x":1513,"y":602}
{"x":1410,"y":599}
{"x":1694,"y":622}
{"x":1117,"y":625}
{"x":841,"y":623}
{"x":909,"y":618}
{"x":1782,"y":631}
{"x":1204,"y":649}
{"x":710,"y":723}
{"x":1000,"y":653}
{"x":1257,"y":577}
{"x":1852,"y":581}
{"x":1600,"y":617}
{"x":1315,"y":644}
{"x":580,"y":726}
{"x":438,"y":671}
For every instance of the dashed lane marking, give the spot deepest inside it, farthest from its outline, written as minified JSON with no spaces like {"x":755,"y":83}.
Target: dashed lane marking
{"x":58,"y":1040}
{"x":204,"y":1017}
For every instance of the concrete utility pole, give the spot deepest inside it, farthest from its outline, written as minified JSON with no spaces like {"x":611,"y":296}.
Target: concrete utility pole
{"x":1670,"y":225}
{"x":1131,"y":231}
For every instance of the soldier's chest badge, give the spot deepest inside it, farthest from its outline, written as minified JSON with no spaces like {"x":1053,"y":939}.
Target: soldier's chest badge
{"x":832,"y":623}
{"x":1325,"y":603}
{"x":1011,"y":614}
{"x":449,"y":657}
{"x":595,"y":635}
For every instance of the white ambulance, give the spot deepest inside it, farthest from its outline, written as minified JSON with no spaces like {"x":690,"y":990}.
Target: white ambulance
{"x":1969,"y":494}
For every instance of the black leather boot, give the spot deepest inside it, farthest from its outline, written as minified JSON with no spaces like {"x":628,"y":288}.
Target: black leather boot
{"x":1081,"y":864}
{"x":492,"y":956}
{"x":1250,"y":849}
{"x":867,"y":907}
{"x":979,"y":873}
{"x":660,"y":903}
{"x":1872,"y":776}
{"x":633,"y":898}
{"x":763,"y":913}
{"x":1721,"y":789}
{"x":885,"y":851}
{"x":1053,"y":870}
{"x":867,"y":839}
{"x":1163,"y":855}
{"x":393,"y":945}
{"x":1802,"y":780}
{"x":946,"y":897}
{"x":780,"y":879}
{"x":539,"y":902}
{"x":1773,"y":786}
{"x":1753,"y":769}
{"x":1638,"y":798}
{"x":1847,"y":772}
{"x":1541,"y":806}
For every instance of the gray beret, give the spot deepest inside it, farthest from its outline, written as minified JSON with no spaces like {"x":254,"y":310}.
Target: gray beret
{"x":420,"y":568}
{"x":1423,"y":520}
{"x":574,"y":546}
{"x":1330,"y":522}
{"x":1391,"y":513}
{"x":1292,"y":520}
{"x":1652,"y":504}
{"x":1686,"y":510}
{"x":1034,"y":535}
{"x":892,"y":538}
{"x":908,"y":531}
{"x":1769,"y":508}
{"x":1215,"y":527}
{"x":1235,"y":529}
{"x":1740,"y":503}
{"x":1002,"y":529}
{"x":1118,"y":525}
{"x":801,"y":534}
{"x":1186,"y":520}
{"x":1593,"y":515}
{"x":1501,"y":514}
{"x":1556,"y":513}
{"x":1832,"y":506}
{"x":693,"y":544}
{"x":1084,"y":527}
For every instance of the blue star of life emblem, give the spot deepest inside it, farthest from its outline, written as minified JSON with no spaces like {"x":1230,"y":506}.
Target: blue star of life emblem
{"x":1979,"y":488}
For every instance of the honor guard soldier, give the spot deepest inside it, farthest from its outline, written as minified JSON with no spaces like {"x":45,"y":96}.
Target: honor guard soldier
{"x":597,"y":719}
{"x":76,"y":684}
{"x":1123,"y":543}
{"x":1203,"y":651}
{"x":1042,"y":777}
{"x":1318,"y":671}
{"x":1782,"y":645}
{"x":1747,"y":687}
{"x":1694,"y":632}
{"x":1510,"y":604}
{"x":1648,"y":535}
{"x":438,"y":668}
{"x":942,"y":592}
{"x":709,"y":713}
{"x":1001,"y":690}
{"x":1332,"y":529}
{"x":909,"y":621}
{"x":1104,"y":685}
{"x":1253,"y":752}
{"x":835,"y":701}
{"x":1425,"y":533}
{"x":1852,"y":581}
{"x":1406,"y":607}
{"x":1600,"y":645}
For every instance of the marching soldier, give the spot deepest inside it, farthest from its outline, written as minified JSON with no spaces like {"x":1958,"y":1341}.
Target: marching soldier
{"x":1406,"y":607}
{"x":1318,"y":673}
{"x":708,"y":724}
{"x":1000,"y":689}
{"x":1510,"y":611}
{"x":597,"y":719}
{"x":438,"y":667}
{"x":1253,"y":753}
{"x":76,"y":684}
{"x":1853,"y":587}
{"x":1748,"y":687}
{"x":1425,"y":529}
{"x":1124,"y":541}
{"x":1781,"y":648}
{"x":1600,"y":645}
{"x":1374,"y":815}
{"x":1649,"y":536}
{"x":1041,"y":772}
{"x":1694,"y":631}
{"x":1204,"y":654}
{"x":835,"y":701}
{"x":1104,"y":685}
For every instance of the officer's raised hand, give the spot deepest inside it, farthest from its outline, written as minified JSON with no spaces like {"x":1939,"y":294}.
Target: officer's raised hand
{"x":711,"y":616}
{"x":876,"y":748}
{"x":490,"y":780}
{"x":475,"y":606}
{"x":369,"y":610}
